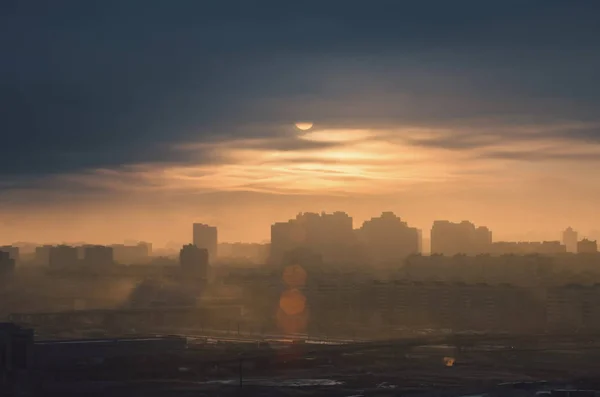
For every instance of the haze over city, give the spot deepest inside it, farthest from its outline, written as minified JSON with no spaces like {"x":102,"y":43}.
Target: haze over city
{"x":339,"y":198}
{"x":486,"y":112}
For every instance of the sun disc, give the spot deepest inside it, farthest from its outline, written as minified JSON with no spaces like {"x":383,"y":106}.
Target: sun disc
{"x":304,"y":125}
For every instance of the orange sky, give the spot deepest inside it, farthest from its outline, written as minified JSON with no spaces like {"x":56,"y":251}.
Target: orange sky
{"x":120,"y":124}
{"x":526,"y":188}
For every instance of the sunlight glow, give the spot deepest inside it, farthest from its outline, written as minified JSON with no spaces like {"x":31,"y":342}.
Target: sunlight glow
{"x":304,"y":125}
{"x":337,"y":135}
{"x":340,"y":162}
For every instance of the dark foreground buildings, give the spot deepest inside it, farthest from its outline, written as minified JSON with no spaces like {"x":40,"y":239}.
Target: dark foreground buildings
{"x":16,"y":354}
{"x":573,"y":307}
{"x":7,"y":266}
{"x":13,"y":252}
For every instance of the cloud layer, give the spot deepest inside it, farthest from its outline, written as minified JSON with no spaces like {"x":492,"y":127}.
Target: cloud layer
{"x":94,"y":86}
{"x":452,"y":105}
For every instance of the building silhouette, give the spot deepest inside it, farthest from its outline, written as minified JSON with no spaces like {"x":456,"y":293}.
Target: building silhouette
{"x":570,"y":239}
{"x":205,"y":236}
{"x":194,"y":261}
{"x":251,"y":252}
{"x":483,"y":240}
{"x":457,"y":306}
{"x":7,"y":265}
{"x":329,"y":235}
{"x":528,"y":247}
{"x":586,"y":246}
{"x":130,"y":254}
{"x":98,"y":255}
{"x":16,"y":359}
{"x":303,"y":257}
{"x":448,"y":238}
{"x":62,"y":256}
{"x":387,"y":239}
{"x":573,"y":307}
{"x":42,"y":255}
{"x":523,"y":270}
{"x":285,"y":237}
{"x":13,"y":252}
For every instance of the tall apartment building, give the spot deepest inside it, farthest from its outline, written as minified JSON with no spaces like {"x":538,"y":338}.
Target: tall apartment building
{"x":7,"y":265}
{"x":194,"y":261}
{"x":132,"y":254}
{"x":387,"y":239}
{"x":573,"y":307}
{"x":62,"y":256}
{"x":448,"y":238}
{"x":42,"y":255}
{"x":570,"y":239}
{"x":586,"y":246}
{"x":206,"y":237}
{"x":457,"y":306}
{"x":329,"y":235}
{"x":13,"y":251}
{"x":98,"y":255}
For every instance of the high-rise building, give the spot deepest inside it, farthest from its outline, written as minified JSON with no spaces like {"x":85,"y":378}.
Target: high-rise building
{"x":329,"y":235}
{"x":13,"y":251}
{"x":194,"y":261}
{"x":450,"y":238}
{"x":98,"y":255}
{"x":130,"y":254}
{"x":586,"y":246}
{"x":63,"y":256}
{"x":387,"y":239}
{"x":205,"y":236}
{"x":42,"y":255}
{"x":7,"y":265}
{"x":570,"y":238}
{"x":285,"y":237}
{"x":482,"y":240}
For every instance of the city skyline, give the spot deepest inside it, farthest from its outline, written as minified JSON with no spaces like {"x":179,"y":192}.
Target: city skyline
{"x":324,"y":197}
{"x":205,"y":235}
{"x":162,"y":222}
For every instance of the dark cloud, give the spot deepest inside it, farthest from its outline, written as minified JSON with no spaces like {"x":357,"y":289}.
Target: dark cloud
{"x":481,"y":136}
{"x":85,"y":85}
{"x":456,"y":141}
{"x":588,"y":134}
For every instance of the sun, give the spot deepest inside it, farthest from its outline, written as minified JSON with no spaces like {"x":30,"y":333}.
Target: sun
{"x":304,"y":125}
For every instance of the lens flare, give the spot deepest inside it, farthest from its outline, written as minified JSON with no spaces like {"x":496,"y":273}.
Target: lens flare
{"x":292,"y":302}
{"x":294,"y":276}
